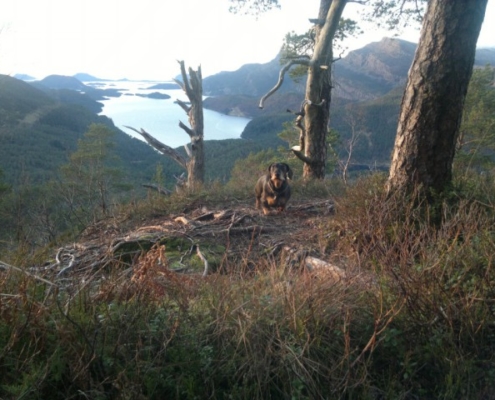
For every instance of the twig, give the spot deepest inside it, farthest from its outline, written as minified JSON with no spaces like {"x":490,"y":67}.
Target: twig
{"x":39,"y":278}
{"x":203,"y":258}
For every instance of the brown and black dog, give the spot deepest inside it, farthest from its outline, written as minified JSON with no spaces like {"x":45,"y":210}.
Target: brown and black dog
{"x":272,"y":190}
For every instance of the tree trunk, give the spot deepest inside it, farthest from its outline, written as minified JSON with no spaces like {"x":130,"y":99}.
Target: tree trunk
{"x":318,"y":90}
{"x":433,"y":100}
{"x":194,"y":91}
{"x":195,"y":161}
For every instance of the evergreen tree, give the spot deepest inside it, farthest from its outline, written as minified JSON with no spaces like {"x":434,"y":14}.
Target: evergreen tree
{"x":92,"y":174}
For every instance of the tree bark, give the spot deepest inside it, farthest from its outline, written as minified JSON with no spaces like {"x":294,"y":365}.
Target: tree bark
{"x":193,"y":87}
{"x":433,"y":100}
{"x":195,"y":162}
{"x":318,"y":90}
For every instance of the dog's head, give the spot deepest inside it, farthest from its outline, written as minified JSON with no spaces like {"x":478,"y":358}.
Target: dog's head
{"x":279,"y":173}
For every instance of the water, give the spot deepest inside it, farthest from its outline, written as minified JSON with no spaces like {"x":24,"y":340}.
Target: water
{"x":160,"y":118}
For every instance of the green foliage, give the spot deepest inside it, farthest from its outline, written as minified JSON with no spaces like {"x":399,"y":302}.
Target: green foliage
{"x":298,"y":46}
{"x":4,"y":187}
{"x":221,"y":155}
{"x":265,"y":130}
{"x":476,"y":144}
{"x":395,"y":14}
{"x":246,"y":171}
{"x":376,"y":123}
{"x":91,"y":174}
{"x":414,"y":319}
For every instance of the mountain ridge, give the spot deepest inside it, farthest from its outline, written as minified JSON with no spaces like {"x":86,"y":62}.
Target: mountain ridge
{"x":363,"y":74}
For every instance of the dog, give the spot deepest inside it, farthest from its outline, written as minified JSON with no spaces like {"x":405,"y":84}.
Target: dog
{"x":272,"y":190}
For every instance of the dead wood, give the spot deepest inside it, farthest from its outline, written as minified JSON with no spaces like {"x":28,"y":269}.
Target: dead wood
{"x":213,"y":235}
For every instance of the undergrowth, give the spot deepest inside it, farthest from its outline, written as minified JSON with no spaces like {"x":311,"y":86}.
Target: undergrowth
{"x":421,"y":326}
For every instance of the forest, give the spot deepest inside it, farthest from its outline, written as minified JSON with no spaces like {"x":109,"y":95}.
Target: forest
{"x":118,"y":282}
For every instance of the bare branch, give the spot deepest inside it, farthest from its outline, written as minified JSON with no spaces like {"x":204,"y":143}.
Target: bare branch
{"x":299,"y":61}
{"x":195,"y":79}
{"x":186,"y":87}
{"x":317,"y":21}
{"x":180,"y":83}
{"x":5,"y":266}
{"x":188,"y":130}
{"x":299,"y":126}
{"x":184,"y":106}
{"x":162,"y":148}
{"x":297,"y":152}
{"x":203,"y":258}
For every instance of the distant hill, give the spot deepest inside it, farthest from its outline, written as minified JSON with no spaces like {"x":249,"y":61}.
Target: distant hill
{"x":373,"y":70}
{"x":249,"y":80}
{"x":62,"y":82}
{"x":165,"y":86}
{"x":24,"y":77}
{"x":87,"y":77}
{"x":364,"y":74}
{"x":368,"y":82}
{"x":40,"y":129}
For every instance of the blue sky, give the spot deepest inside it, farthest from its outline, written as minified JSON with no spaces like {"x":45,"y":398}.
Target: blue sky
{"x":144,"y":39}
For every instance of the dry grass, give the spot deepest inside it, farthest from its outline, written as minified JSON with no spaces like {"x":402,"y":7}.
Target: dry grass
{"x":269,"y":329}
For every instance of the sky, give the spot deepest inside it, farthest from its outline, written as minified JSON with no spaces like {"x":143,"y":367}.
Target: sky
{"x":144,"y":39}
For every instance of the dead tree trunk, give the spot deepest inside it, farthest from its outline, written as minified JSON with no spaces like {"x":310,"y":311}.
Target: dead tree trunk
{"x":194,"y":163}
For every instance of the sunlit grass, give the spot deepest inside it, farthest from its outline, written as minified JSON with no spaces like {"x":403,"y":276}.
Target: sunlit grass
{"x":422,"y":326}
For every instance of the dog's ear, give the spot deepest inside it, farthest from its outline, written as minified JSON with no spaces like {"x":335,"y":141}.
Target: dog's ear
{"x":270,"y":168}
{"x":289,"y":172}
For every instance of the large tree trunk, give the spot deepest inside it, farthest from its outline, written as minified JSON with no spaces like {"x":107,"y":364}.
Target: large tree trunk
{"x":318,"y":91}
{"x":433,"y":101}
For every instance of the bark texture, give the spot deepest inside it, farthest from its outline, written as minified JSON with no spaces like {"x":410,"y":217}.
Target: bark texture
{"x":318,"y":91}
{"x":193,"y":87}
{"x":433,"y":101}
{"x":195,"y":161}
{"x":313,"y":119}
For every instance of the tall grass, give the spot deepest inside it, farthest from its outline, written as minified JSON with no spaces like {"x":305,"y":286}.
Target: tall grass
{"x":423,"y":328}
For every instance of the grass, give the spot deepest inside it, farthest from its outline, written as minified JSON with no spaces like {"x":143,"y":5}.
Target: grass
{"x":422,"y":329}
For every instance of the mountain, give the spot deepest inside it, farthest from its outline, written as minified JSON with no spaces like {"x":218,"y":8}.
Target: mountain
{"x":485,"y":56}
{"x":249,"y":80}
{"x":363,"y":74}
{"x":62,"y":82}
{"x":368,"y":83}
{"x":39,"y":129}
{"x":87,"y":77}
{"x":24,"y":77}
{"x":373,"y":70}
